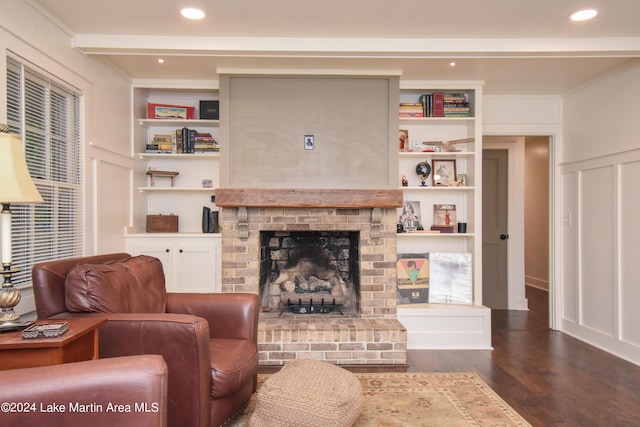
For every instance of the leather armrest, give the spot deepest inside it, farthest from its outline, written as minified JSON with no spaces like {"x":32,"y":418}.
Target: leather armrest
{"x":230,"y":315}
{"x":124,"y":391}
{"x":183,"y":341}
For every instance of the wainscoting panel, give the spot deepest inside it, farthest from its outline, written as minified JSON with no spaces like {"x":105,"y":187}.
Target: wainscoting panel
{"x":600,"y":234}
{"x":629,"y":225}
{"x":597,"y":210}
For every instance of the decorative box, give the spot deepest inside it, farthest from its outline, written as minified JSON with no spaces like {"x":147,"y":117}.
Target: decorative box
{"x":210,"y":110}
{"x":166,"y":111}
{"x":162,"y":223}
{"x":45,"y":330}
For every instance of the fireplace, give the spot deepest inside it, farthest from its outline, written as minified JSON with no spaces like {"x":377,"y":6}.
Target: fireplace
{"x":310,"y":272}
{"x":271,"y":238}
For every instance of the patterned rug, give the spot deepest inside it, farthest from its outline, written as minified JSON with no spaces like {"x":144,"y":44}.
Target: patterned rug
{"x":424,"y":399}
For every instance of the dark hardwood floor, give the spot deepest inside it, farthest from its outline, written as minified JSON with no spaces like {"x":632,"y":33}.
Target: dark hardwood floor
{"x":550,"y":378}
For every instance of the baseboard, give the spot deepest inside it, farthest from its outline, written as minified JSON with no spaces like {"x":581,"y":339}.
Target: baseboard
{"x":536,"y":282}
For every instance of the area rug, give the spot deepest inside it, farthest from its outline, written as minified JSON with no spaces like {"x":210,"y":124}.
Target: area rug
{"x":423,"y":399}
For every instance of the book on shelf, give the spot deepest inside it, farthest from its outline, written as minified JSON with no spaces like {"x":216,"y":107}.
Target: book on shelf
{"x":411,"y":110}
{"x":456,"y":104}
{"x":427,"y":104}
{"x":183,"y":140}
{"x":157,"y":148}
{"x":445,"y":104}
{"x":438,"y":104}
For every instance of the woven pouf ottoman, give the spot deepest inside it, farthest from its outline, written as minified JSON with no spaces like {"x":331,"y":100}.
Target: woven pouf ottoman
{"x":308,"y":393}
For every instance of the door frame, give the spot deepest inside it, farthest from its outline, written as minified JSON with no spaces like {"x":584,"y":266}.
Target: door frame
{"x":515,"y":216}
{"x":554,"y":132}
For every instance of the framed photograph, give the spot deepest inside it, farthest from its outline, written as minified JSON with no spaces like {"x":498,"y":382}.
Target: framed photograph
{"x":462,"y":180}
{"x":443,"y":172}
{"x":409,"y":216}
{"x":403,"y":140}
{"x":444,"y":214}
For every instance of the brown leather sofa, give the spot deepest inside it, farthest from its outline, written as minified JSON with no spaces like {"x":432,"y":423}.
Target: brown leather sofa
{"x":209,"y":341}
{"x":121,"y":391}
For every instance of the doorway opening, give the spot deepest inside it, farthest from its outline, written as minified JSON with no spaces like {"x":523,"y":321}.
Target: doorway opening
{"x":520,"y":248}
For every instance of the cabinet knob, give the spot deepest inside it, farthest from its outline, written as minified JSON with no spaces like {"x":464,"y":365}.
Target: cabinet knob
{"x":180,"y":250}
{"x":166,"y":250}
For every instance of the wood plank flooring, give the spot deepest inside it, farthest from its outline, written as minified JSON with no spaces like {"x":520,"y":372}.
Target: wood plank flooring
{"x":550,"y":378}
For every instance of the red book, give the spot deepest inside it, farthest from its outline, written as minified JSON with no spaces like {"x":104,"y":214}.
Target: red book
{"x":438,"y":104}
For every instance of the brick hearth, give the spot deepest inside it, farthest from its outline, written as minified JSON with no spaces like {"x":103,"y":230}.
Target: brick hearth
{"x":374,"y":335}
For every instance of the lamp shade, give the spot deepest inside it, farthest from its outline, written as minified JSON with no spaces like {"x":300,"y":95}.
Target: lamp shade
{"x":16,"y":185}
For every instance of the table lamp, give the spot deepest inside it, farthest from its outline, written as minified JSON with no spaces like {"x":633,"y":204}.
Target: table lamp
{"x":16,"y":186}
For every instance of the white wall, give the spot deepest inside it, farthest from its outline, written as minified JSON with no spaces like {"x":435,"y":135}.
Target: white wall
{"x":600,"y":211}
{"x":536,"y":230}
{"x":26,"y":33}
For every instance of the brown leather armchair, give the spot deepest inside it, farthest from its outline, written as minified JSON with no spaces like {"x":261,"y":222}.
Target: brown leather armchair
{"x":209,"y":341}
{"x":121,"y":391}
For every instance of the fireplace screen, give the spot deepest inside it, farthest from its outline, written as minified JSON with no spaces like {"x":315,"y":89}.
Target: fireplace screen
{"x":309,"y":272}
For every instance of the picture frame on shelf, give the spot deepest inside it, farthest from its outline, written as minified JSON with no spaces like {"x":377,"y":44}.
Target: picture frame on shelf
{"x":450,"y":278}
{"x":444,"y":215}
{"x":412,"y":271}
{"x":403,"y":140}
{"x":166,"y":111}
{"x":462,"y":180}
{"x":443,"y":172}
{"x":409,"y":216}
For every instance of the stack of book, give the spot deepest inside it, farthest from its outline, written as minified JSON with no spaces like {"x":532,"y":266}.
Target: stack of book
{"x":445,"y":104}
{"x":204,"y":143}
{"x":181,"y":141}
{"x":456,"y":104}
{"x":411,"y":110}
{"x":160,"y":143}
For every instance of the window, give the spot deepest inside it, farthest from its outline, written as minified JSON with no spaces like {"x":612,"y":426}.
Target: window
{"x":47,"y":115}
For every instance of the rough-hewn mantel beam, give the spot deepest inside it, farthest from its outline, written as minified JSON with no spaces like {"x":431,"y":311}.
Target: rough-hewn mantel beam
{"x":307,"y":198}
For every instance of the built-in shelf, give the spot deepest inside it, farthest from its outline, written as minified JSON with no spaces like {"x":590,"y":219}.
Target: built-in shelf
{"x":178,"y":123}
{"x":438,"y":188}
{"x":192,"y":156}
{"x":422,"y":235}
{"x":410,"y":154}
{"x":435,"y":119}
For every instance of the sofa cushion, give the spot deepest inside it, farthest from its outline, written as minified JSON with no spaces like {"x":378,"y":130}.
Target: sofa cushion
{"x":132,"y":285}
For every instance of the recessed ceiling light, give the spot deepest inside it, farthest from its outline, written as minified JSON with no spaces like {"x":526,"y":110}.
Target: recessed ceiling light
{"x":160,"y":60}
{"x":192,"y":13}
{"x":452,"y":64}
{"x":583,"y":15}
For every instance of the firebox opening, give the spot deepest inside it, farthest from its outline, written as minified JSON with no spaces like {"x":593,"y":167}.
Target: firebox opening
{"x":305,"y":272}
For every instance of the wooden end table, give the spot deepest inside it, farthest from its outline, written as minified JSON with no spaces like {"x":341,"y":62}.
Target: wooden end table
{"x":79,"y":343}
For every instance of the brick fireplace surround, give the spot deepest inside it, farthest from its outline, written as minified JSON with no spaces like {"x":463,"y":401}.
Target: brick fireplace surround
{"x":372,"y":337}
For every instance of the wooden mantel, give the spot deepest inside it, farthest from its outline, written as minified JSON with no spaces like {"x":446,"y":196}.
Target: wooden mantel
{"x":307,"y":198}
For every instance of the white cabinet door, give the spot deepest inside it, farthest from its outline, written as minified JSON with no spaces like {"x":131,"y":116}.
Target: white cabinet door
{"x":190,"y":264}
{"x":197,"y":265}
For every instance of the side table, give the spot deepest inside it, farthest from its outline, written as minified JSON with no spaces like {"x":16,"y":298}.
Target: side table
{"x":79,"y":343}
